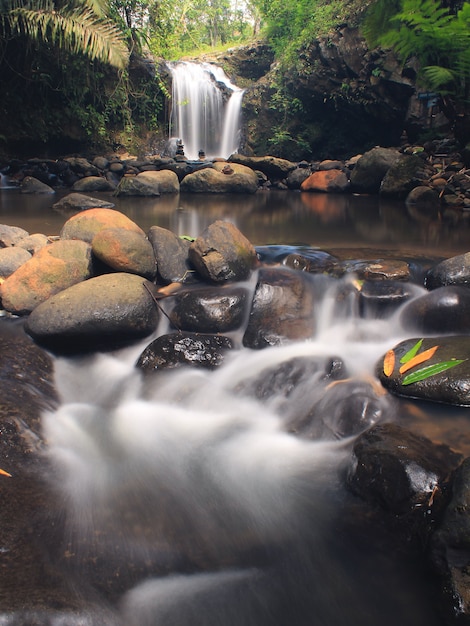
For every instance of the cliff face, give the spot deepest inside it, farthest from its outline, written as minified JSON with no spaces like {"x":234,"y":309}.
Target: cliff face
{"x":340,"y":99}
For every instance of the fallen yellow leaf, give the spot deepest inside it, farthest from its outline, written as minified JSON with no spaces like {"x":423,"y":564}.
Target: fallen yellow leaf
{"x":3,"y":473}
{"x":389,"y":363}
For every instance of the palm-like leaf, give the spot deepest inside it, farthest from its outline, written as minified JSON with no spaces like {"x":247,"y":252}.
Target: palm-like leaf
{"x":77,"y":29}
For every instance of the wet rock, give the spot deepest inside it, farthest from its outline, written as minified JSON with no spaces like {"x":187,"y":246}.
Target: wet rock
{"x":54,"y":268}
{"x":274,"y":167}
{"x":206,"y":310}
{"x":453,"y":271}
{"x":86,"y":225}
{"x":175,"y":350}
{"x":282,"y":309}
{"x":329,"y":181}
{"x":104,"y":312}
{"x":450,"y":544}
{"x":222,"y":253}
{"x":371,"y":169}
{"x":444,"y":310}
{"x":311,"y":260}
{"x":80,"y":202}
{"x":92,"y":183}
{"x":423,"y":198}
{"x":388,"y":269}
{"x":296,"y":177}
{"x":149,"y":183}
{"x":401,"y":472}
{"x":450,"y":386}
{"x":171,"y":254}
{"x":11,"y":259}
{"x":11,"y":235}
{"x":125,"y":251}
{"x":381,"y":298}
{"x":209,"y":180}
{"x":33,"y":185}
{"x":405,"y":174}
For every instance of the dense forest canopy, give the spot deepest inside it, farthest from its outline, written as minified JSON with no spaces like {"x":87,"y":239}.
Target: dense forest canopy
{"x":67,"y":63}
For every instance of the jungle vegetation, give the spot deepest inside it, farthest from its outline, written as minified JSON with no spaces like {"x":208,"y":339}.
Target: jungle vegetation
{"x":82,"y":68}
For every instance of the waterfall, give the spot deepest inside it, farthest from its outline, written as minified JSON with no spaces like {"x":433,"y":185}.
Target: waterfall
{"x":200,"y":116}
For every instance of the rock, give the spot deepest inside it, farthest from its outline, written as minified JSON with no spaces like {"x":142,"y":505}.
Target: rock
{"x":150,"y":183}
{"x":330,"y":164}
{"x":450,"y":545}
{"x":101,"y":313}
{"x":450,"y":386}
{"x":33,"y":185}
{"x":381,"y":298}
{"x":405,"y":174}
{"x":171,"y":254}
{"x":175,"y":350}
{"x":209,"y":310}
{"x":92,"y":183}
{"x":444,"y":310}
{"x":401,"y":472}
{"x":86,"y":225}
{"x":453,"y":271}
{"x":125,"y":251}
{"x":388,"y":269}
{"x":100,"y":162}
{"x":33,"y":243}
{"x":81,"y":202}
{"x":296,"y":177}
{"x":371,"y":168}
{"x":330,"y":181}
{"x":310,"y":260}
{"x":81,"y":166}
{"x":11,"y":235}
{"x":221,"y":253}
{"x":282,"y":309}
{"x":11,"y":259}
{"x":54,"y":268}
{"x":423,"y":197}
{"x":209,"y":180}
{"x":274,"y":167}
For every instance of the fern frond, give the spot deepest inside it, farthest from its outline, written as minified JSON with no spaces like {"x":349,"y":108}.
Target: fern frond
{"x":438,"y":77}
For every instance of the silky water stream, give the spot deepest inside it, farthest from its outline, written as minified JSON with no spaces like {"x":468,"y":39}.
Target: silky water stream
{"x":189,"y":503}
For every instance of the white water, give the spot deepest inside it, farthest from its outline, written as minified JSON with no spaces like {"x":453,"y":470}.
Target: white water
{"x":199,"y":115}
{"x":237,"y":518}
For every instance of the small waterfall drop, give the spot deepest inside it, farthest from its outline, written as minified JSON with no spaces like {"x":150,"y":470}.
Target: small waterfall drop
{"x":201,"y":117}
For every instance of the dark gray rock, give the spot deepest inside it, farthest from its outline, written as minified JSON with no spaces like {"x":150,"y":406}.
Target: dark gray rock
{"x":405,"y":174}
{"x":171,"y":253}
{"x":209,"y":310}
{"x":11,"y":235}
{"x":371,"y":169}
{"x":80,"y":202}
{"x":175,"y":350}
{"x":11,"y":259}
{"x":423,"y":198}
{"x":33,"y":185}
{"x":221,"y":253}
{"x":401,"y":472}
{"x":451,"y":386}
{"x":92,"y":183}
{"x":444,"y":310}
{"x":453,"y":271}
{"x":310,"y":260}
{"x":105,"y":312}
{"x":282,"y":309}
{"x":382,"y":298}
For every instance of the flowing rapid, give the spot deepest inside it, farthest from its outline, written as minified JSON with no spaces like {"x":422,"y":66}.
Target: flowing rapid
{"x":211,"y":512}
{"x":206,"y":109}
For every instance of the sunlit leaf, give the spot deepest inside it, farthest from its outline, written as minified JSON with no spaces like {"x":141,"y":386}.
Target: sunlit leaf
{"x":430,"y":370}
{"x":3,"y":473}
{"x":411,"y":353}
{"x":389,"y":363}
{"x":418,"y":359}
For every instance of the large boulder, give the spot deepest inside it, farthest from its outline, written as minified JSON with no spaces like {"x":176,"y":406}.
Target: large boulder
{"x":282,"y":309}
{"x":210,"y":180}
{"x":371,"y":169}
{"x":222,"y":253}
{"x":80,"y":202}
{"x":86,"y":225}
{"x":405,"y":174}
{"x":33,"y":185}
{"x":92,"y":183}
{"x":149,"y":183}
{"x":274,"y":167}
{"x":104,"y":312}
{"x":125,"y":251}
{"x":329,"y":181}
{"x":171,"y":254}
{"x":54,"y":268}
{"x":443,"y":375}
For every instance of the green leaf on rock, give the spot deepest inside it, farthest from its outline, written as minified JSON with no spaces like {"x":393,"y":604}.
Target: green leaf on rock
{"x":411,"y":352}
{"x":430,"y":370}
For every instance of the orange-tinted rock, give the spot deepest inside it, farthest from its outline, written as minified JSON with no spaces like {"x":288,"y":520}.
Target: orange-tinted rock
{"x":125,"y":251}
{"x":329,"y":181}
{"x":86,"y":225}
{"x":54,"y":268}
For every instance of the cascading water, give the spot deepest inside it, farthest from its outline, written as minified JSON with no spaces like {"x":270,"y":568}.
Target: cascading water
{"x":202,"y":116}
{"x":193,"y":490}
